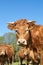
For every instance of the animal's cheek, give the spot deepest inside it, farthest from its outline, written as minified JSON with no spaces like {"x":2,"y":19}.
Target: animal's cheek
{"x":17,"y":36}
{"x":26,"y":36}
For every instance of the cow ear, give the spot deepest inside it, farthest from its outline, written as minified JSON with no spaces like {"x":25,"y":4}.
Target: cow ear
{"x":11,"y":25}
{"x":31,"y":24}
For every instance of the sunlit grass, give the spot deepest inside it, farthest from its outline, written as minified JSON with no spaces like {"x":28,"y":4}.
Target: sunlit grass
{"x":16,"y":63}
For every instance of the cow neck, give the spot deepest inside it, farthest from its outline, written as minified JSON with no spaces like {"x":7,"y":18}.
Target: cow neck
{"x":29,"y":42}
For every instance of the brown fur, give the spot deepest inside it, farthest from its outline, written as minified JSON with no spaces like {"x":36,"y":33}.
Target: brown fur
{"x":8,"y":55}
{"x":27,"y":54}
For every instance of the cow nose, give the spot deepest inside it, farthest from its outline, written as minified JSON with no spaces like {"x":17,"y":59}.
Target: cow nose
{"x":21,"y":42}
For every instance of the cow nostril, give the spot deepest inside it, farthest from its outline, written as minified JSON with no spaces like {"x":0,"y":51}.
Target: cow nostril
{"x":18,"y":41}
{"x":23,"y":41}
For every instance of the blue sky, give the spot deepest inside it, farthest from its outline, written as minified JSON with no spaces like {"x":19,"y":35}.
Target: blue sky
{"x":11,"y":10}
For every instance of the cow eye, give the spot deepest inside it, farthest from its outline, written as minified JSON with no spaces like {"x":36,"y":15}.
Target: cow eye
{"x":26,"y":31}
{"x":17,"y":31}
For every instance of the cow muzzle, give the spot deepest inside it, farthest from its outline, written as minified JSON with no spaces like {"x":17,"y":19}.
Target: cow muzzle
{"x":22,"y":42}
{"x":2,"y":53}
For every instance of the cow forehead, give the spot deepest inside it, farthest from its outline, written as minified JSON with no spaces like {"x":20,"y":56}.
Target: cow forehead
{"x":21,"y":21}
{"x":22,"y":28}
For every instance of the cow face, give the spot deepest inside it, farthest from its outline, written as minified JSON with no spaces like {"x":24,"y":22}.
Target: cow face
{"x":22,"y":28}
{"x":2,"y":51}
{"x":22,"y":35}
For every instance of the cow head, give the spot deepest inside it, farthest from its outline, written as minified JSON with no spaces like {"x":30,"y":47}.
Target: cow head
{"x":2,"y":51}
{"x":22,"y":28}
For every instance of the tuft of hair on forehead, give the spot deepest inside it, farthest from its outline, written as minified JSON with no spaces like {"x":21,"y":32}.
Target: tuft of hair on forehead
{"x":21,"y":21}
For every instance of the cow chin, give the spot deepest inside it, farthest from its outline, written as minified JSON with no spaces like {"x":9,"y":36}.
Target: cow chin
{"x":21,"y":42}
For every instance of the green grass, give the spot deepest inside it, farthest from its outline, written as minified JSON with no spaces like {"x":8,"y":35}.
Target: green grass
{"x":15,"y":63}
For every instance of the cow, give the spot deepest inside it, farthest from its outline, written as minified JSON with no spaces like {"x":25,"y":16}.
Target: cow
{"x":29,"y":34}
{"x":10,"y":53}
{"x":6,"y":54}
{"x":2,"y":54}
{"x":28,"y":54}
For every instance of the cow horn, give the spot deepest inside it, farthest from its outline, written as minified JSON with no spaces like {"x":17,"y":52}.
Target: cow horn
{"x":31,"y":21}
{"x":10,"y":22}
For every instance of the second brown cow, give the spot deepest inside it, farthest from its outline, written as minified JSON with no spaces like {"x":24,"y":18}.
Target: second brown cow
{"x":28,"y":54}
{"x":6,"y":54}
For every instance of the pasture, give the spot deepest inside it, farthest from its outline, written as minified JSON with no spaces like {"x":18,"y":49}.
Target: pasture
{"x":16,"y":63}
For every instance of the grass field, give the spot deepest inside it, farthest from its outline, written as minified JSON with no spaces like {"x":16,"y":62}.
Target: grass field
{"x":16,"y":63}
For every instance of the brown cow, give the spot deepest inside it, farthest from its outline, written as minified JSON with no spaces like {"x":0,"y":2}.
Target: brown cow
{"x":10,"y":53}
{"x":30,"y":34}
{"x":6,"y":54}
{"x":28,"y":54}
{"x":2,"y":54}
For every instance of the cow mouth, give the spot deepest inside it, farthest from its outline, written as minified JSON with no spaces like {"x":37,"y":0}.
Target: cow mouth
{"x":23,"y":45}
